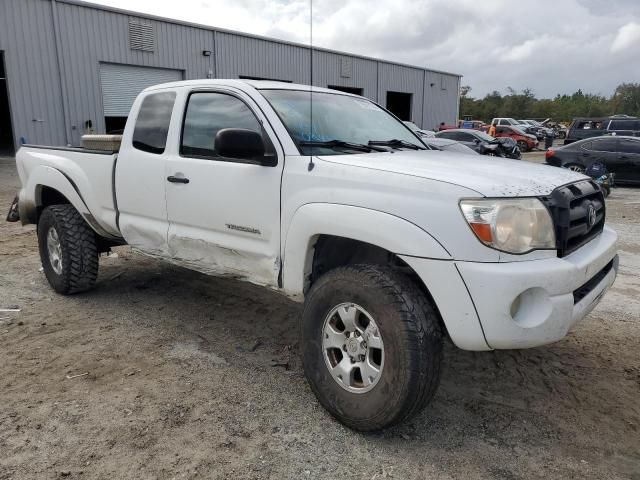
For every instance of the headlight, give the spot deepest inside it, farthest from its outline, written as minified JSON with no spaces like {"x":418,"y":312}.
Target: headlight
{"x":517,"y":225}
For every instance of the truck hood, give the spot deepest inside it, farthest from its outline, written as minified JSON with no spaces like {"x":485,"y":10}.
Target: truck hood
{"x":489,"y":176}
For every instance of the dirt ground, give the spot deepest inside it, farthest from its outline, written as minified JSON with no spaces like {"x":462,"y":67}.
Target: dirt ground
{"x":161,"y":372}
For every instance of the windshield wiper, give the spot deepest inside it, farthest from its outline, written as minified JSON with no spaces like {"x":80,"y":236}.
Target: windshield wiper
{"x":342,"y":144}
{"x":395,"y":143}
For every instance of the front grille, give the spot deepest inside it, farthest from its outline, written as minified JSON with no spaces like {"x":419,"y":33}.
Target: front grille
{"x":571,"y":207}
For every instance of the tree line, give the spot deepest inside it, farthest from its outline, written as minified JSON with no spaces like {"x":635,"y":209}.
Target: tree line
{"x":562,"y":108}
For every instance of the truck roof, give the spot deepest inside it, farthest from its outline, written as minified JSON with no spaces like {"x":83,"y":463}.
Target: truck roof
{"x":241,"y":83}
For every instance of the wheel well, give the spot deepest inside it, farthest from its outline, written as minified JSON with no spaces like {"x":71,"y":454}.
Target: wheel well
{"x":331,"y":252}
{"x":49,"y":196}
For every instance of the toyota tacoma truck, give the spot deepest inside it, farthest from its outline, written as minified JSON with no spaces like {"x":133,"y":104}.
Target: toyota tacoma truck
{"x":329,"y":199}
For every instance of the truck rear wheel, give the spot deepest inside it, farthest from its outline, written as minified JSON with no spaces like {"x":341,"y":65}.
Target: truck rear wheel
{"x":67,"y":250}
{"x":372,"y":346}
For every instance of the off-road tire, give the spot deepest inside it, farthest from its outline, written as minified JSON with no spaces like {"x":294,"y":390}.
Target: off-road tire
{"x":412,"y":336}
{"x":78,"y":247}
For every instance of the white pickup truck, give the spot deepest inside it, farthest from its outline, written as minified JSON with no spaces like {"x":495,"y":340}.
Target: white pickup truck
{"x":331,"y":200}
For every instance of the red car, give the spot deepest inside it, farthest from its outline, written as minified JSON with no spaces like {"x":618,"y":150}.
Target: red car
{"x":525,"y":141}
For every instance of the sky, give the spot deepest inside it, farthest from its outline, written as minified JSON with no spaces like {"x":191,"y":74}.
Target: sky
{"x":550,"y":46}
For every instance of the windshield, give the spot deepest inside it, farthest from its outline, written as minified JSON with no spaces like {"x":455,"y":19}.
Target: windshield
{"x":336,"y":117}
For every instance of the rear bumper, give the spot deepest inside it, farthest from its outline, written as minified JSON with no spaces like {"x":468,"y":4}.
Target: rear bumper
{"x":531,"y":303}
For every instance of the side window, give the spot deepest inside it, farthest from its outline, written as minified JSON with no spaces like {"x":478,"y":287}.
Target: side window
{"x":622,"y":125}
{"x":604,"y":145}
{"x":501,"y":130}
{"x":465,"y":137}
{"x":629,"y":146}
{"x":152,"y":124}
{"x":445,"y":134}
{"x":209,"y":112}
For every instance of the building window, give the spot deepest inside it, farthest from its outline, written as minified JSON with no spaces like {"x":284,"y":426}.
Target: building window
{"x":152,"y":124}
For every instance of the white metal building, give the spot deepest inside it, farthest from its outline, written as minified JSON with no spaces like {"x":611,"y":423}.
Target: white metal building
{"x":69,"y":67}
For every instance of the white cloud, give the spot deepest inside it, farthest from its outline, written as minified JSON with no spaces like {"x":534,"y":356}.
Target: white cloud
{"x":628,"y":37}
{"x":549,"y":45}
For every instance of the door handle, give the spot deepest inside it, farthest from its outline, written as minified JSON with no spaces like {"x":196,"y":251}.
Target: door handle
{"x":173,"y":179}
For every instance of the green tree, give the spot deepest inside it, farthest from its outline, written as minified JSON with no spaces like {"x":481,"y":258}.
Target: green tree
{"x":626,"y":99}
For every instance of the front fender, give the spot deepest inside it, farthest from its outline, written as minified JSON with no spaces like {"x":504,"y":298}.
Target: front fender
{"x":384,"y":230}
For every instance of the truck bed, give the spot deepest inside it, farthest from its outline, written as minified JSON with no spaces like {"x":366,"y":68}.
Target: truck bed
{"x":90,"y":173}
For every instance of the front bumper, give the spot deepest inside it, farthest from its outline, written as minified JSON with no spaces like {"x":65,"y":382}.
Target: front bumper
{"x":530,"y":303}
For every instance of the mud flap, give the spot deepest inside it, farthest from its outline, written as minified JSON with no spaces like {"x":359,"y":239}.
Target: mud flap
{"x":13,"y":215}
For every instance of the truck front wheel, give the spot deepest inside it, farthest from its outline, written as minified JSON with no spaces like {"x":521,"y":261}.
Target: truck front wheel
{"x":67,"y":249}
{"x":372,"y":346}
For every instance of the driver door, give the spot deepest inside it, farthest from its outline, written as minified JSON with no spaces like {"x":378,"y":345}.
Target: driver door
{"x":224,"y":213}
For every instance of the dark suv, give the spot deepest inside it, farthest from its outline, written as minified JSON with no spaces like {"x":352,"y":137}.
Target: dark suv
{"x":624,"y":126}
{"x":582,"y":128}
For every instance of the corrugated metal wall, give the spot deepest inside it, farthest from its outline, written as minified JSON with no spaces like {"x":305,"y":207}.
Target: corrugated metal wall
{"x":89,"y":36}
{"x":237,"y":55}
{"x":46,"y":109}
{"x":328,"y":69}
{"x":441,"y":99}
{"x":27,"y":39}
{"x":398,"y":78}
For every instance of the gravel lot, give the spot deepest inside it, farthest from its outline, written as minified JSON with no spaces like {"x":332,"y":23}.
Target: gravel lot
{"x":161,"y":372}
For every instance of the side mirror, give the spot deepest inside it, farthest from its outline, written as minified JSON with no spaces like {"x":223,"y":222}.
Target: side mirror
{"x":477,"y":141}
{"x":242,"y":144}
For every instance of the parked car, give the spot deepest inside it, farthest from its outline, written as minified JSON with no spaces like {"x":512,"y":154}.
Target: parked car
{"x":525,"y":141}
{"x":586,"y":127}
{"x":509,"y":148}
{"x":481,"y":142}
{"x":582,"y":128}
{"x":620,"y":155}
{"x":511,"y":122}
{"x":419,"y":131}
{"x":448,"y":145}
{"x":538,"y":129}
{"x":560,"y":129}
{"x":391,"y":246}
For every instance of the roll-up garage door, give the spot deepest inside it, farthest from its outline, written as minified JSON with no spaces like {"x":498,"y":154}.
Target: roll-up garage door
{"x":121,"y":84}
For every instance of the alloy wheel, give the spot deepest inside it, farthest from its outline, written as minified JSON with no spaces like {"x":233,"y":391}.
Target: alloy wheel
{"x":352,"y":347}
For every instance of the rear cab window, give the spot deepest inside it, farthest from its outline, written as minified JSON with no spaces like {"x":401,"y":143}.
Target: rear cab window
{"x":152,"y":124}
